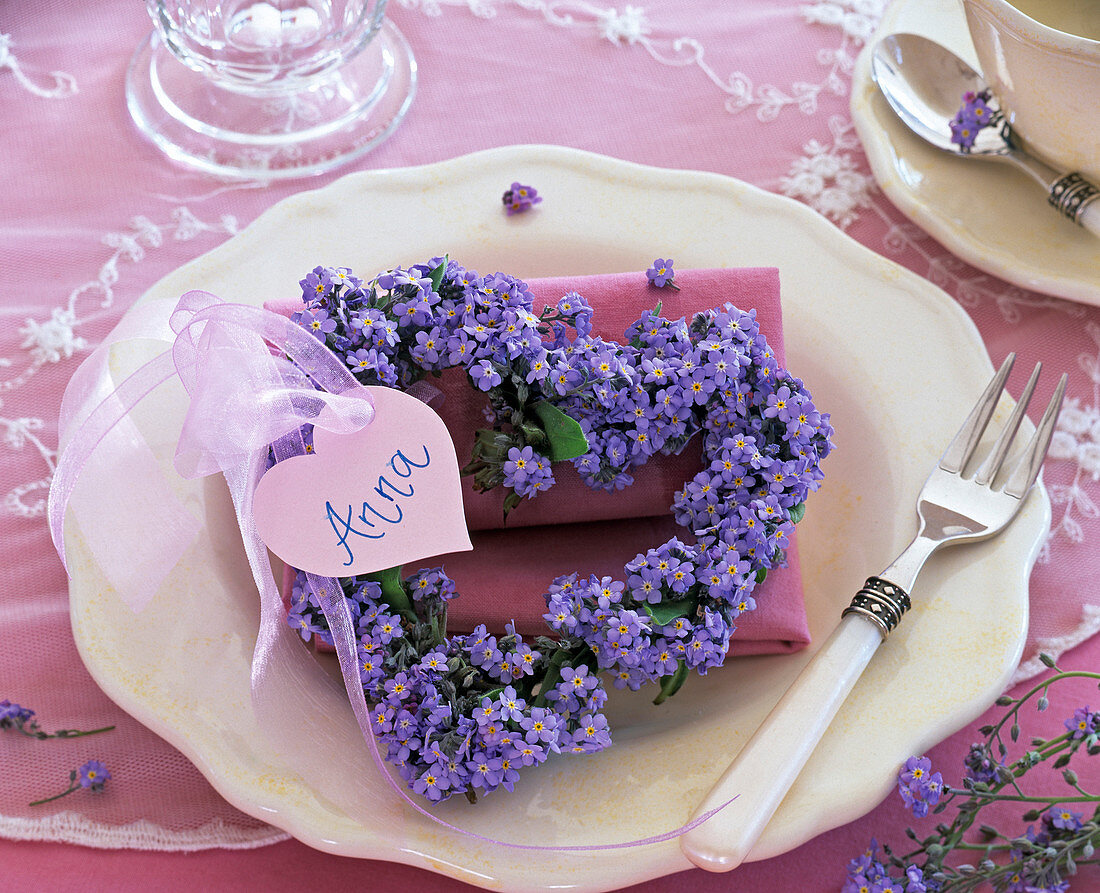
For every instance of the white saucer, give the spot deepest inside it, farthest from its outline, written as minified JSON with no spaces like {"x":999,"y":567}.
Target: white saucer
{"x":182,"y":665}
{"x":989,"y":214}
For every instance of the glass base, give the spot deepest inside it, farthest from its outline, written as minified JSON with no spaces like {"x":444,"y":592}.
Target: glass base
{"x":297,"y":131}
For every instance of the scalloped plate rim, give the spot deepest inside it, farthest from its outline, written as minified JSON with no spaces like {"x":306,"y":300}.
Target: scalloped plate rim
{"x":588,"y":165}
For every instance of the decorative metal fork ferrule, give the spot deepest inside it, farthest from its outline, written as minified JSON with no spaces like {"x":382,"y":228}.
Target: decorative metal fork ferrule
{"x":881,"y":602}
{"x":1071,"y":194}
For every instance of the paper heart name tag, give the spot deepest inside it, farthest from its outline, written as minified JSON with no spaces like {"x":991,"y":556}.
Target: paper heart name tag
{"x":383,"y":496}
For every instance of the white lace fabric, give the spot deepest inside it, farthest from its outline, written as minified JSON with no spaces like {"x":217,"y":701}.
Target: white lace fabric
{"x":142,"y":834}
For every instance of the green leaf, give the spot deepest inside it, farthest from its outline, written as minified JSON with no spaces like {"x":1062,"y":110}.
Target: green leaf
{"x":436,"y":275}
{"x":761,"y":574}
{"x":567,"y":440}
{"x":664,"y":613}
{"x":671,"y":684}
{"x":798,"y":512}
{"x":511,"y":501}
{"x":393,"y":591}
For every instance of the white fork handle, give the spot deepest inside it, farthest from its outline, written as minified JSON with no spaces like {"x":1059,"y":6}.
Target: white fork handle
{"x":764,"y":770}
{"x":1090,"y":218}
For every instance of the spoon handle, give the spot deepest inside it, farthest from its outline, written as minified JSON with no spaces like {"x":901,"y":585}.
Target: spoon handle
{"x":1071,"y":194}
{"x":1077,"y":199}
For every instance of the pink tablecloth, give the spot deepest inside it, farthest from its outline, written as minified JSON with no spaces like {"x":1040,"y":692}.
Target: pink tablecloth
{"x":90,"y":216}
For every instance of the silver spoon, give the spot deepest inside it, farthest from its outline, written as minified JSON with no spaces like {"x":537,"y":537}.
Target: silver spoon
{"x":924,"y":84}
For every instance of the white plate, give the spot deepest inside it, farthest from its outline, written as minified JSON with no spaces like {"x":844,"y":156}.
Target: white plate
{"x":892,"y":357}
{"x":989,"y":214}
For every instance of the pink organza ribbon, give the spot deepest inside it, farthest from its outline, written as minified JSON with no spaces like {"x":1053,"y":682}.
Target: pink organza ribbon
{"x":244,"y":400}
{"x":243,"y":397}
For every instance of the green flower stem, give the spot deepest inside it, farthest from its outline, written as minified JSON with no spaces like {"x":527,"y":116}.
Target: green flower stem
{"x":38,"y":734}
{"x":553,"y":674}
{"x":74,"y":733}
{"x":1077,"y":787}
{"x":1053,"y":746}
{"x":393,"y":592}
{"x":985,"y":847}
{"x":1041,"y":686}
{"x":72,"y":788}
{"x":992,"y":867}
{"x":992,"y":795}
{"x":965,"y":819}
{"x":437,"y":621}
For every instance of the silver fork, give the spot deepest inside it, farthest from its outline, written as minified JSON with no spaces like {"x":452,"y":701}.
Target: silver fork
{"x":952,"y":508}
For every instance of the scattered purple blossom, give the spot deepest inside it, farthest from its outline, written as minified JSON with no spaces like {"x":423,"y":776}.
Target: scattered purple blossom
{"x":1060,"y":843}
{"x":919,"y":786}
{"x":13,"y":715}
{"x":526,"y":472}
{"x":93,"y":775}
{"x":519,"y":198}
{"x":1083,"y":722}
{"x":661,"y":274}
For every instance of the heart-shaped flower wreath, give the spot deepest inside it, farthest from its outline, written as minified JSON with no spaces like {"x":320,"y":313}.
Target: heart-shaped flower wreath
{"x":464,"y":713}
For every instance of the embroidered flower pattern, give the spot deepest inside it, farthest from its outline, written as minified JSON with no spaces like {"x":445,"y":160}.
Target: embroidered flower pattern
{"x":19,"y":431}
{"x":53,"y":339}
{"x":56,"y":338}
{"x":1077,"y":440}
{"x":629,"y":25}
{"x":829,"y":180}
{"x":64,"y":85}
{"x":856,"y":18}
{"x":1077,"y":437}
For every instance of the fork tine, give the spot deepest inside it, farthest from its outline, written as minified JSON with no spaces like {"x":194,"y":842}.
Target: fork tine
{"x":962,"y":447}
{"x":996,"y":457}
{"x":1027,"y":469}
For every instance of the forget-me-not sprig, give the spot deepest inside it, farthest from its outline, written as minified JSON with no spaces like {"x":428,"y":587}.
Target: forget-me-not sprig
{"x":1055,"y":846}
{"x":21,"y":719}
{"x":91,"y":776}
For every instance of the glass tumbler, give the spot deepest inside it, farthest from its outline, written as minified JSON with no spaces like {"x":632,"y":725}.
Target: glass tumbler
{"x":269,"y":88}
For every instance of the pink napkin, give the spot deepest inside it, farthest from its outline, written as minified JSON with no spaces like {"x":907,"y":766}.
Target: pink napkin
{"x":573,"y":528}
